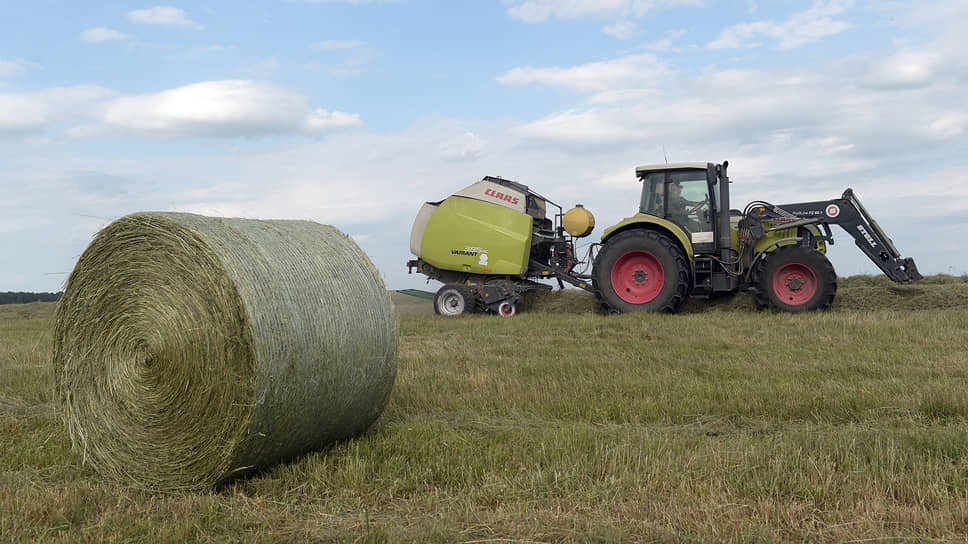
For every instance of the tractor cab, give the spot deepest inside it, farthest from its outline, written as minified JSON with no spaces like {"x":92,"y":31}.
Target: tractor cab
{"x":681,"y":193}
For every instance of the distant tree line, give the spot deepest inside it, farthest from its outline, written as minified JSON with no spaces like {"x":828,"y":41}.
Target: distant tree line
{"x":19,"y":297}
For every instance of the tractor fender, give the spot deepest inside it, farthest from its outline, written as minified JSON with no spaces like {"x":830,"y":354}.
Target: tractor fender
{"x":784,"y":237}
{"x":760,"y":254}
{"x":777,"y":239}
{"x":651,"y":222}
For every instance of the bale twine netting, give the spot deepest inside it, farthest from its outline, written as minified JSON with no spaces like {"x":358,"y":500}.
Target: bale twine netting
{"x":190,"y":350}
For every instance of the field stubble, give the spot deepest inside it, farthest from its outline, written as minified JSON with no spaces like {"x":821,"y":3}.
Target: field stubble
{"x":565,"y":425}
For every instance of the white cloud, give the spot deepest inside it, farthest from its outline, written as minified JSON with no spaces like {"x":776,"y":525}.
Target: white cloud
{"x":301,"y":198}
{"x":742,"y":35}
{"x":465,"y":147}
{"x":237,"y":108}
{"x":947,"y":125}
{"x":603,"y":77}
{"x":589,"y":129}
{"x":34,"y":112}
{"x":163,"y":15}
{"x":725,"y":105}
{"x":10,"y":68}
{"x":667,"y":43}
{"x":19,"y":114}
{"x":321,"y":120}
{"x":621,"y":30}
{"x":906,"y":69}
{"x":103,"y":34}
{"x":801,"y":28}
{"x":619,"y":179}
{"x":219,"y":109}
{"x":534,"y":11}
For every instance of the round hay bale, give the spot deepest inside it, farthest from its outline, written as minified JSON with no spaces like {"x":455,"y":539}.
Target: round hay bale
{"x":190,"y":350}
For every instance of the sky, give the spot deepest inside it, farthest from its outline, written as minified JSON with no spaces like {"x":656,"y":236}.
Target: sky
{"x":354,"y":112}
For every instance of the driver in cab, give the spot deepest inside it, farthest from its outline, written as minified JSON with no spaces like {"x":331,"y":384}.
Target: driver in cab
{"x":680,"y":209}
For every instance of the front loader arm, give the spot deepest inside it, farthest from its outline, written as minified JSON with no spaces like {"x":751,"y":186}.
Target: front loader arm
{"x":850,"y":214}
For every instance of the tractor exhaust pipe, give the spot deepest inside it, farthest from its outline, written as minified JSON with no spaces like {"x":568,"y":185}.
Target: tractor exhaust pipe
{"x":725,"y":239}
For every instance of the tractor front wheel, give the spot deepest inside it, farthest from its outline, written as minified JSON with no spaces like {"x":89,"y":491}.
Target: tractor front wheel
{"x":796,"y":279}
{"x":641,"y":271}
{"x":454,"y":299}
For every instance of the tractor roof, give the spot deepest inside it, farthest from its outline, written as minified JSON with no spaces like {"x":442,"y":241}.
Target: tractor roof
{"x":671,"y":166}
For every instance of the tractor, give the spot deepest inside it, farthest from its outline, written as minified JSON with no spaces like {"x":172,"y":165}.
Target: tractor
{"x":493,"y":240}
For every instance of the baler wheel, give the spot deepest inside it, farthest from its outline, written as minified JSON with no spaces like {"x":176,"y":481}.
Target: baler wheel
{"x":641,"y":271}
{"x":507,"y":309}
{"x":796,"y":279}
{"x":454,"y":299}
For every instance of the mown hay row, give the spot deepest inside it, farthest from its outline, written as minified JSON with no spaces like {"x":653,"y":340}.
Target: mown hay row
{"x":190,"y":349}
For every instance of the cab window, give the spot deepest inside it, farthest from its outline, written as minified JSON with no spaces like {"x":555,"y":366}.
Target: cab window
{"x":688,"y":205}
{"x":688,"y":200}
{"x":653,"y":189}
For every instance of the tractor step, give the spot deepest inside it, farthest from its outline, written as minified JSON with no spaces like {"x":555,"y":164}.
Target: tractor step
{"x":703,"y":288}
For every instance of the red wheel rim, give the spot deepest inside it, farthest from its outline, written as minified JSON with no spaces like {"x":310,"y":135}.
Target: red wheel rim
{"x":506,"y":309}
{"x":795,"y":284}
{"x":638,"y":277}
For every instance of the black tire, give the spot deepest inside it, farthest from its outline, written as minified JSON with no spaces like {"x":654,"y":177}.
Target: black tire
{"x":454,"y":299}
{"x":641,"y":271}
{"x":795,"y":279}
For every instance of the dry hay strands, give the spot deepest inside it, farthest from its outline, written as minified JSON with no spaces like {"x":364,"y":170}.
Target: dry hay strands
{"x":928,"y":294}
{"x":190,"y":349}
{"x":577,"y":301}
{"x":567,"y":301}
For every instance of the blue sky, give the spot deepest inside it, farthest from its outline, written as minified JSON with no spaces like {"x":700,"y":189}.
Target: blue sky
{"x":354,"y":112}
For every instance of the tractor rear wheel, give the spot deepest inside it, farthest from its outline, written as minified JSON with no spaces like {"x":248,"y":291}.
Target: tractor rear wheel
{"x":641,"y":271}
{"x":796,"y":279}
{"x":454,"y":299}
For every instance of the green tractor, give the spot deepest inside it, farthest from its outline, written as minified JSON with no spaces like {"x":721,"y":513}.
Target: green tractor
{"x":493,"y":240}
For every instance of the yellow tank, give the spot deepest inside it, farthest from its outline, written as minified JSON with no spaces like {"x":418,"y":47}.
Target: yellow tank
{"x":578,"y":221}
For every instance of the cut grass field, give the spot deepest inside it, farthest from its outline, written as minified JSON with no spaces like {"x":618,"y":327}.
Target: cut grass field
{"x":561,"y":425}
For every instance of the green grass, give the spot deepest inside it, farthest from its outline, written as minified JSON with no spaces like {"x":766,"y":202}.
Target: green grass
{"x":569,"y":426}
